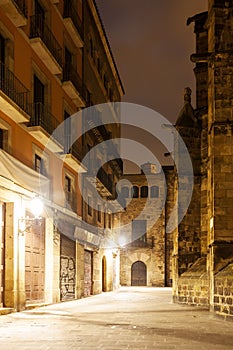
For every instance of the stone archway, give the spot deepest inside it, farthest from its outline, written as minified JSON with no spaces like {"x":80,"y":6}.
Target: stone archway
{"x":138,"y":274}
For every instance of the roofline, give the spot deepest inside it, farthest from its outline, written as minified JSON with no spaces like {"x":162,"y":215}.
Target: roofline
{"x":96,"y":14}
{"x":196,"y":17}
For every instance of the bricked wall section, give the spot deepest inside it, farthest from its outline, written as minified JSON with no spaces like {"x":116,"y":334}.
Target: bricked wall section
{"x":223,"y":293}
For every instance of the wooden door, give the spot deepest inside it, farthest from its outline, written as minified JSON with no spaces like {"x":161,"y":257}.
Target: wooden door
{"x":104,"y":274}
{"x":87,"y":273}
{"x":2,"y":252}
{"x":138,"y":274}
{"x":67,"y":268}
{"x":35,"y":262}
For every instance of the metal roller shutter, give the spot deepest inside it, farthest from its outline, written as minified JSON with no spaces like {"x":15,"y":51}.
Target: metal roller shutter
{"x":87,"y":273}
{"x":67,"y":268}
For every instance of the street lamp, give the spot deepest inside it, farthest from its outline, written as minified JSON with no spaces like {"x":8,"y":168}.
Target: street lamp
{"x":36,"y":208}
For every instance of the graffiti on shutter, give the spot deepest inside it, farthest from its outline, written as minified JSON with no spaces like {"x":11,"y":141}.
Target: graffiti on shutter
{"x":67,"y":269}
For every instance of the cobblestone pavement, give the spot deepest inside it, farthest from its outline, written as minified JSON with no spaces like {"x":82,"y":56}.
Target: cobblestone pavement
{"x":130,"y":318}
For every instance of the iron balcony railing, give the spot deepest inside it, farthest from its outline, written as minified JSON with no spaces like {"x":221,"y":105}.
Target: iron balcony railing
{"x":93,"y":119}
{"x":41,"y":116}
{"x":71,"y":12}
{"x":39,"y":29}
{"x":22,"y":6}
{"x":77,"y":151}
{"x":71,"y":74}
{"x":103,"y":177}
{"x":14,"y":89}
{"x":115,"y":153}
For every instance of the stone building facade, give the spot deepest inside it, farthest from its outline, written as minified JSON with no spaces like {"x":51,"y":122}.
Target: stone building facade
{"x":145,"y":260}
{"x":203,"y":243}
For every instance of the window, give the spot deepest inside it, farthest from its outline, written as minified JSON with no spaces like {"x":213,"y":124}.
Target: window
{"x":38,"y":98}
{"x":99,"y":213}
{"x":125,"y":192}
{"x":139,"y":232}
{"x":2,"y":61}
{"x":89,"y":207}
{"x":110,"y":95}
{"x":39,"y":18}
{"x":2,"y":49}
{"x":39,"y":164}
{"x":144,"y":191}
{"x":154,"y":192}
{"x":67,"y":184}
{"x":109,"y":220}
{"x":71,"y":199}
{"x":135,"y":192}
{"x":99,"y":65}
{"x":105,"y":82}
{"x":67,"y":132}
{"x":1,"y":139}
{"x":68,"y":58}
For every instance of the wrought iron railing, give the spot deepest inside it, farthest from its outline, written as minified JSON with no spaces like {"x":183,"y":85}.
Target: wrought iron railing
{"x":39,"y":29}
{"x":22,"y":6}
{"x":77,"y":150}
{"x":14,"y":89}
{"x":71,"y":12}
{"x":41,"y":116}
{"x":103,"y":177}
{"x":93,"y":119}
{"x":71,"y":74}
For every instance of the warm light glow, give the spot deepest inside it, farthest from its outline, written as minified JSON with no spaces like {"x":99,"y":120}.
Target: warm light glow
{"x":36,"y":207}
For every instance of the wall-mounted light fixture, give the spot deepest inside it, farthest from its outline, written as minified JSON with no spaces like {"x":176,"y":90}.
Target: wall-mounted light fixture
{"x":36,"y":208}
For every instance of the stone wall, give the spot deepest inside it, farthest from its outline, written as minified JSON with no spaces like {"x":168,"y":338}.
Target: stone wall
{"x":193,"y":285}
{"x":223,"y":293}
{"x":155,"y":251}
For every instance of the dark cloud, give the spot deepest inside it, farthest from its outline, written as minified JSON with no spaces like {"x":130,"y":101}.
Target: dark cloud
{"x":152,"y":44}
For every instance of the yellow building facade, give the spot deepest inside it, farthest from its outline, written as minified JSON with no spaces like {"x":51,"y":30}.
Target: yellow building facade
{"x":48,"y":73}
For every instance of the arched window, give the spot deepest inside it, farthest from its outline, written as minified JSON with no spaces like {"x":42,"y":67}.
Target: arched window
{"x":144,"y":191}
{"x":154,"y":192}
{"x":125,"y":192}
{"x":135,"y":192}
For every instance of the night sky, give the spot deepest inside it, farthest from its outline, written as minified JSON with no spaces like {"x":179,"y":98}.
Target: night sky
{"x":152,"y":45}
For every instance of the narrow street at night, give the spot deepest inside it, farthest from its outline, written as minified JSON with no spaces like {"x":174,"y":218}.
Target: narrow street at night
{"x":129,"y":318}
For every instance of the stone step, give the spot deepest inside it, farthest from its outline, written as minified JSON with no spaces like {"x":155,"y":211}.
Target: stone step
{"x":6,"y":310}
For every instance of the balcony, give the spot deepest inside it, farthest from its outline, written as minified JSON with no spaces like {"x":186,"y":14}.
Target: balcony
{"x":92,"y":119}
{"x":74,"y":156}
{"x":45,"y":44}
{"x":73,"y":86}
{"x":73,"y":23}
{"x":102,"y":182}
{"x":14,"y":97}
{"x":117,"y":161}
{"x":16,"y":10}
{"x":42,"y":125}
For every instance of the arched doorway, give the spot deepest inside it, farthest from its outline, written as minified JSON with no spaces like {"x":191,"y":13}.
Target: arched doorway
{"x":138,"y":274}
{"x":104,"y":274}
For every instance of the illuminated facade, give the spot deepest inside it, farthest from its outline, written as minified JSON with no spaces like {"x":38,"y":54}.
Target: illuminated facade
{"x":49,"y":72}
